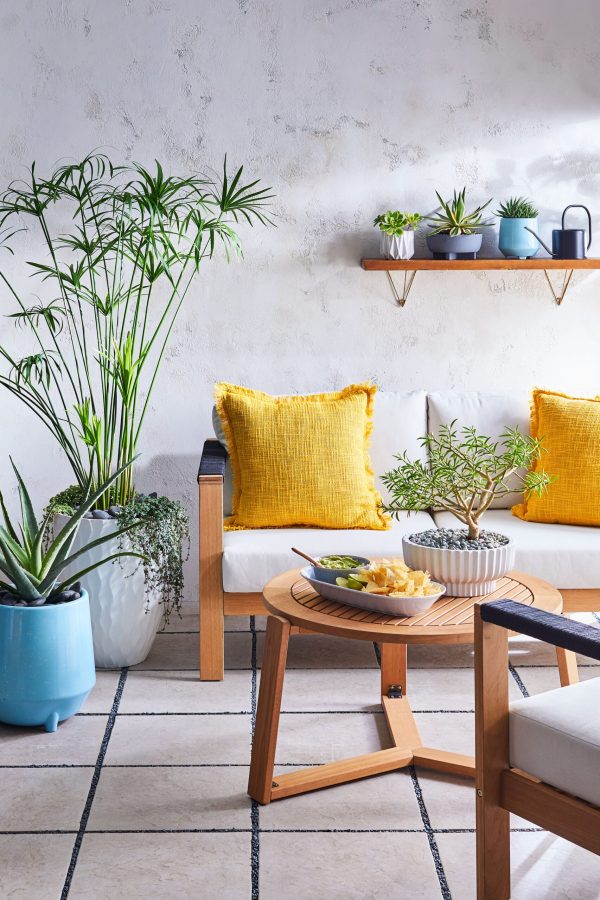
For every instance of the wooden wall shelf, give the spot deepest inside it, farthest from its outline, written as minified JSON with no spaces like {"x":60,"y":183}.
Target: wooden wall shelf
{"x":410,"y":267}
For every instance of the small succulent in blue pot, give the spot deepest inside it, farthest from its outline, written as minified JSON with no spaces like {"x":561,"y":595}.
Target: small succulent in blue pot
{"x":517,"y":214}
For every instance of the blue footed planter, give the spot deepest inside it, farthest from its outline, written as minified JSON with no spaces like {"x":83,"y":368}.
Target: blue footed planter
{"x":514,"y":241}
{"x":46,"y":662}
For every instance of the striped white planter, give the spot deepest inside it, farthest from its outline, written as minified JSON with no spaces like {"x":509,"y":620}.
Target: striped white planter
{"x":465,"y":573}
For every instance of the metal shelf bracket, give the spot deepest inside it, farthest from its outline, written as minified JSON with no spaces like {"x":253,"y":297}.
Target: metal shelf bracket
{"x":409,"y":277}
{"x":560,"y":295}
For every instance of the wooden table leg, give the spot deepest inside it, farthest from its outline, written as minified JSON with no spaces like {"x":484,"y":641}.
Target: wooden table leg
{"x":260,"y":782}
{"x":567,"y":666}
{"x":393,"y":667}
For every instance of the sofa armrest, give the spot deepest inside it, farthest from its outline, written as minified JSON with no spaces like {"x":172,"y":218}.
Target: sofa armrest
{"x":545,"y":626}
{"x":214,"y":457}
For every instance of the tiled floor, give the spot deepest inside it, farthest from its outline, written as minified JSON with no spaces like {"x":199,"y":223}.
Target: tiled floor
{"x":143,"y":795}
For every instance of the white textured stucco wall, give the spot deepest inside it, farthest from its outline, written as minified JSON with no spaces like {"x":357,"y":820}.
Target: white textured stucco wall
{"x":346,"y":107}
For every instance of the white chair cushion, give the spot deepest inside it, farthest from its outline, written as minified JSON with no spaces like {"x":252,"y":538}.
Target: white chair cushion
{"x":567,"y":556}
{"x":490,"y":414}
{"x":556,"y":737}
{"x":251,"y":558}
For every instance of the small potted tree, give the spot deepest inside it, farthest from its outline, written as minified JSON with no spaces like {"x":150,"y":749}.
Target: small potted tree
{"x":397,"y":233}
{"x":46,"y":650}
{"x":465,"y":473}
{"x":516,"y":216}
{"x":454,"y":231}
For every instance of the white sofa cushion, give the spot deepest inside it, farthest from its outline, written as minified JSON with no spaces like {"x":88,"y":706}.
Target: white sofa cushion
{"x":567,"y":556}
{"x":253,"y":557}
{"x":556,"y":737}
{"x":489,"y":414}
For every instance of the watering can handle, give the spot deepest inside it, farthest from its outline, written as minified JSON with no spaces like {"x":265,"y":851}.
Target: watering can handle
{"x":578,"y":206}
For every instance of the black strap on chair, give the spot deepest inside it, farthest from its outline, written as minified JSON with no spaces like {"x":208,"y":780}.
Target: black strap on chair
{"x":214,"y":457}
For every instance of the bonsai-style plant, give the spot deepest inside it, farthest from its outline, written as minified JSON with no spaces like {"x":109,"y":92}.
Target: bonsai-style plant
{"x":464,"y":474}
{"x":453,"y":229}
{"x":517,"y":215}
{"x":112,"y":286}
{"x":397,"y":233}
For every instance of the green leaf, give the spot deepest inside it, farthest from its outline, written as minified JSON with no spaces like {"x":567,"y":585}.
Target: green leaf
{"x":24,"y":582}
{"x":29,"y":523}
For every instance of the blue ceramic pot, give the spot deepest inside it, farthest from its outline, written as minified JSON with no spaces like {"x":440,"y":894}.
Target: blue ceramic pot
{"x":46,"y":662}
{"x":514,"y":241}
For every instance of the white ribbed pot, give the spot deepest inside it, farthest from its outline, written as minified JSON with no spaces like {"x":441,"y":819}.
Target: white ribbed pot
{"x":124,"y":619}
{"x":398,"y":246}
{"x":465,"y":573}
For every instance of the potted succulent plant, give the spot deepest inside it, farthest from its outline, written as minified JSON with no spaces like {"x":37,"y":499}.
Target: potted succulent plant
{"x":516,"y":216}
{"x":454,"y":231}
{"x":397,"y":233}
{"x":46,"y":651}
{"x":464,"y":474}
{"x":114,"y":284}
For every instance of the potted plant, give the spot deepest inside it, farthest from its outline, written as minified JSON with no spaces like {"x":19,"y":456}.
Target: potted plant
{"x":397,"y":233}
{"x":115,"y":283}
{"x":516,"y":215}
{"x":454,"y":230}
{"x":46,"y":652}
{"x":464,"y":474}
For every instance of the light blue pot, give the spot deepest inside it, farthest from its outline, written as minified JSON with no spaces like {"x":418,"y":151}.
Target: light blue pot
{"x":46,"y":662}
{"x":514,"y":241}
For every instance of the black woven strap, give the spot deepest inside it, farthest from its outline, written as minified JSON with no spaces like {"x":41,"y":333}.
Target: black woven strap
{"x":544,"y":626}
{"x":214,"y":457}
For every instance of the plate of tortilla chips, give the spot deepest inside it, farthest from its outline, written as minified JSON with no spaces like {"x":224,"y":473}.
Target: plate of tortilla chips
{"x":387,"y":586}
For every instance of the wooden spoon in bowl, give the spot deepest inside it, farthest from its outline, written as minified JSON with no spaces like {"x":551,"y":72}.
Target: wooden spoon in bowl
{"x":310,"y":559}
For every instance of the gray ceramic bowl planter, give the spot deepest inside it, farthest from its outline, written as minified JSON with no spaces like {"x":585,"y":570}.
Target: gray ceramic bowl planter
{"x":447,"y":246}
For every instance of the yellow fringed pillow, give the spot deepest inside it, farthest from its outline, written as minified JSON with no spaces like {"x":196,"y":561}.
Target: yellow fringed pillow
{"x":570,"y":428}
{"x":300,"y":460}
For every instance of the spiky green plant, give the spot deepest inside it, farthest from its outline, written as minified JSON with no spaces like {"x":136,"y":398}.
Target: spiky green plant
{"x":32,"y":569}
{"x":454,"y":219}
{"x":115,"y":285}
{"x":464,"y":473}
{"x":517,"y":208}
{"x":394,"y":222}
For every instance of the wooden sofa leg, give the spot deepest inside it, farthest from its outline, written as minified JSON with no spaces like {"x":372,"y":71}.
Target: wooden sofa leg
{"x":567,"y":666}
{"x":212,"y":618}
{"x":491,"y":758}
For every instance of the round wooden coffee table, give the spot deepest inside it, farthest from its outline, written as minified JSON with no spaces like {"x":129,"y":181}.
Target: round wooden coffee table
{"x":295,"y":607}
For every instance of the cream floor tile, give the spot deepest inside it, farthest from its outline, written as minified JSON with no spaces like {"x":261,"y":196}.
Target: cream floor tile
{"x":181,"y":651}
{"x":445,"y":656}
{"x":388,"y":801}
{"x":33,"y":866}
{"x":318,"y":737}
{"x":450,"y":801}
{"x":347,"y":867}
{"x":431,"y":689}
{"x":172,"y":692}
{"x":308,"y":651}
{"x":543,"y":867}
{"x":242,"y":623}
{"x":102,"y":694}
{"x":180,"y":740}
{"x":43,"y":799}
{"x":158,"y":798}
{"x":77,"y":741}
{"x":448,"y":731}
{"x":188,"y":620}
{"x":545,"y":678}
{"x":162,"y":867}
{"x":326,"y":689}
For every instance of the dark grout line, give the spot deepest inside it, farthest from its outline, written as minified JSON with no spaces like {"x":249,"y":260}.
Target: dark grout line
{"x":254,"y":807}
{"x":284,"y":712}
{"x":95,"y":779}
{"x":235,"y":830}
{"x":433,"y":846}
{"x":518,"y":680}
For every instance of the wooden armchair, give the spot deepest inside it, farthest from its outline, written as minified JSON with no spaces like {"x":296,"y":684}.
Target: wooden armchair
{"x":540,"y":757}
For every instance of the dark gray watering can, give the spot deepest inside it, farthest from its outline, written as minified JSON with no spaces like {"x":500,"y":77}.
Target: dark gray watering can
{"x":567,"y":243}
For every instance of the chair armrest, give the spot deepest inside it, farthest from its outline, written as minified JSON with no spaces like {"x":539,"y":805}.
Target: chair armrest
{"x":214,"y":457}
{"x":545,"y":626}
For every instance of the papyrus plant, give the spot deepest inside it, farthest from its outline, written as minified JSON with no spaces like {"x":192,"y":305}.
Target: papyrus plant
{"x":113,"y":285}
{"x":465,"y":473}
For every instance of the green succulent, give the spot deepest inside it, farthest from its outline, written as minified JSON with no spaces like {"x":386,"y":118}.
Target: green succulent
{"x":453,"y":219}
{"x":32,"y":569}
{"x":517,"y":208}
{"x":394,"y":222}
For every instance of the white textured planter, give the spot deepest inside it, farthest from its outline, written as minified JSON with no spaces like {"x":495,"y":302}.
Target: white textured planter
{"x":123,"y":630}
{"x":465,"y":573}
{"x":398,"y":246}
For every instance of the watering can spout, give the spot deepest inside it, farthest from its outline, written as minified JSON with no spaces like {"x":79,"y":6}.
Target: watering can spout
{"x":547,"y":249}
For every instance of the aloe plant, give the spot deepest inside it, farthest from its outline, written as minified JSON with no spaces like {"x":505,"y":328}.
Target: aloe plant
{"x":517,"y":208}
{"x":454,"y":219}
{"x":32,"y":569}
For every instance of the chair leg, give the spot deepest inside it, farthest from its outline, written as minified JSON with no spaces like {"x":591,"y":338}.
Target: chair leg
{"x":567,"y":666}
{"x":260,"y":782}
{"x":212,"y":618}
{"x":212,"y":636}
